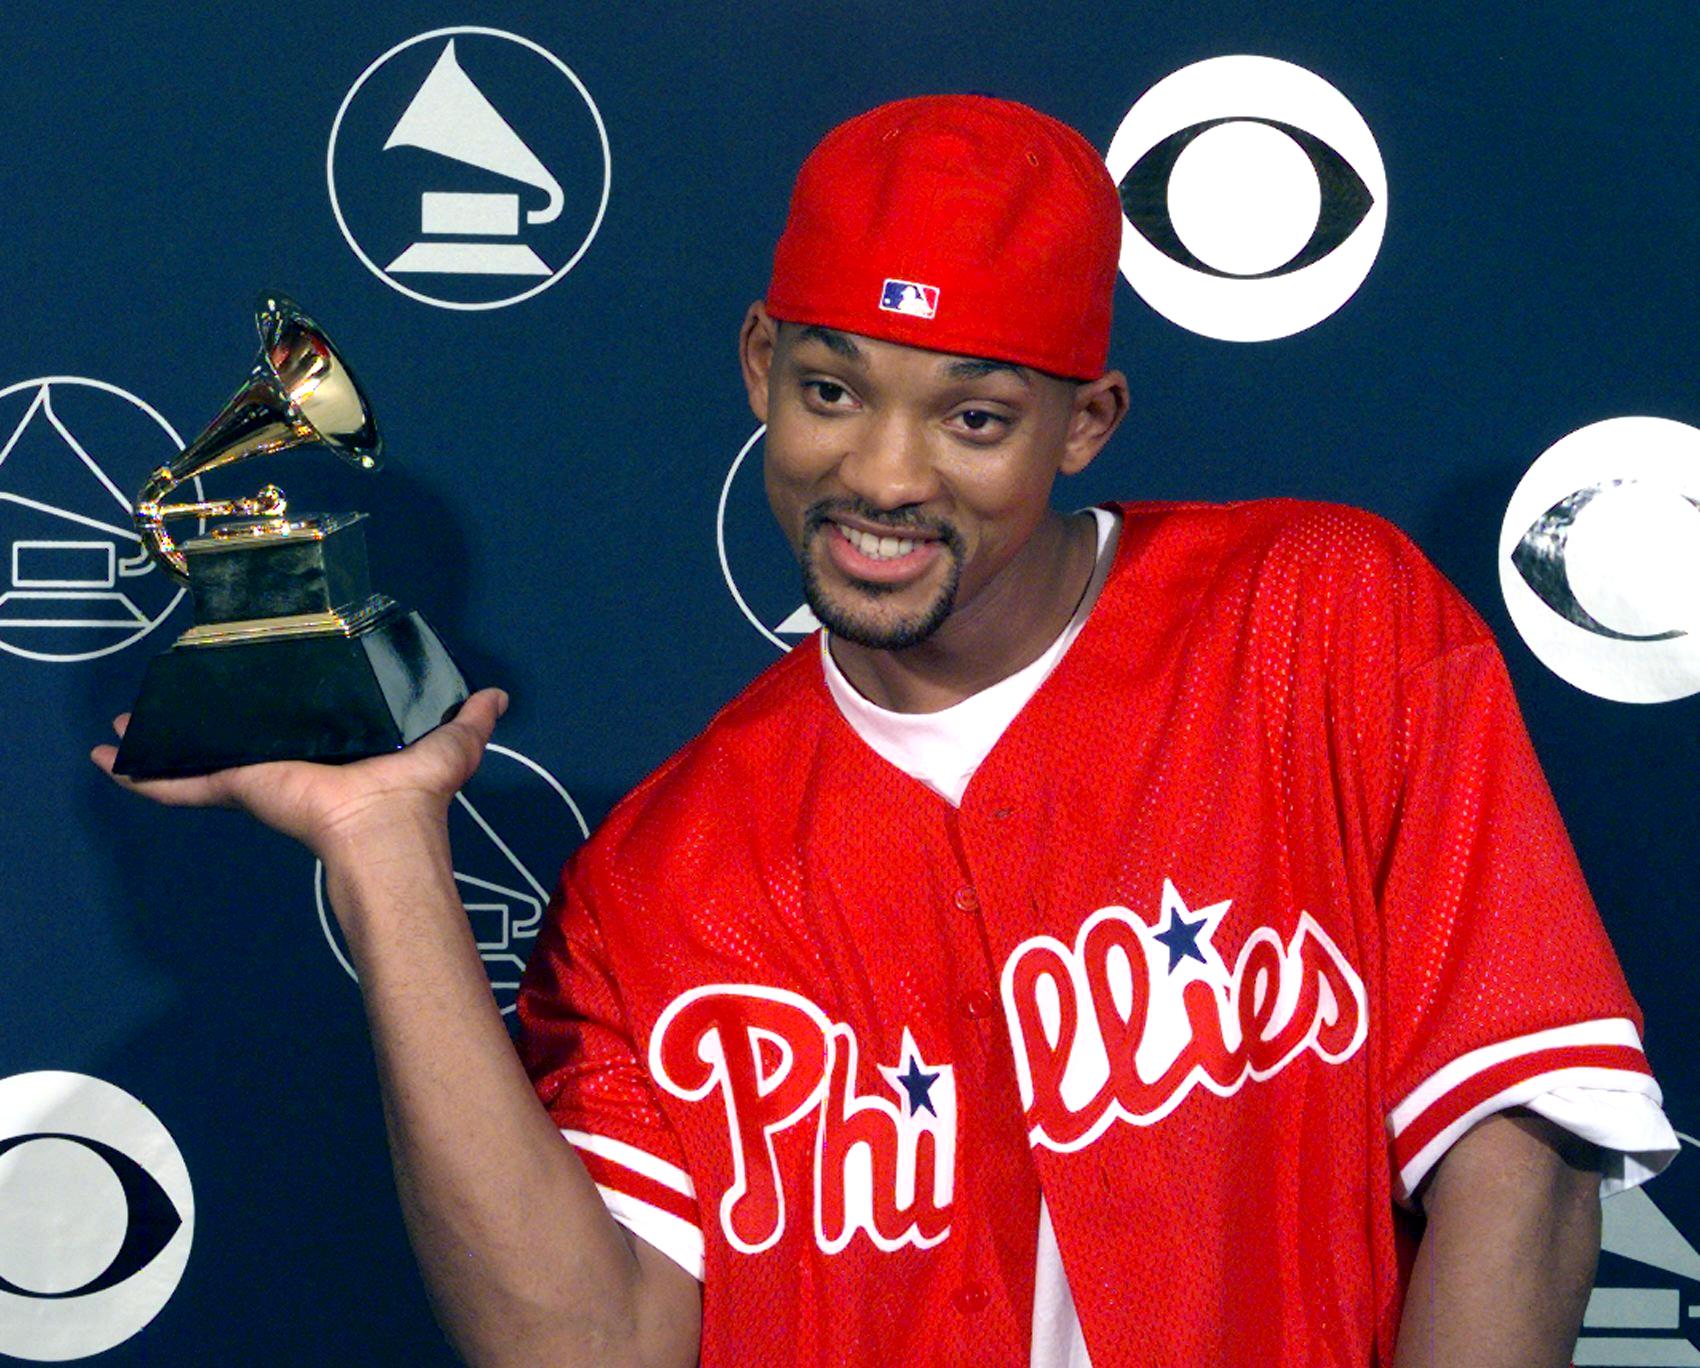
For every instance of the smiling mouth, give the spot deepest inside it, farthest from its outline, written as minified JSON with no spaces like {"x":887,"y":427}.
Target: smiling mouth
{"x":861,"y":571}
{"x":880,"y":561}
{"x":879,"y":546}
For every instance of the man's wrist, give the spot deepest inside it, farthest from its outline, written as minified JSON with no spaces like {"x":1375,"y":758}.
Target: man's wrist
{"x":392,"y":856}
{"x":380,"y":827}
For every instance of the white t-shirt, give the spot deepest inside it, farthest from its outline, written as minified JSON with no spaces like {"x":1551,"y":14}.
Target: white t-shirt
{"x":943,"y":749}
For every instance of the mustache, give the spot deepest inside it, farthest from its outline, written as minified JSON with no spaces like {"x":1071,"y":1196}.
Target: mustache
{"x":898,"y":520}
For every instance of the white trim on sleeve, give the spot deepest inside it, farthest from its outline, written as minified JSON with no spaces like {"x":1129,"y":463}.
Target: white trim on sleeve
{"x":678,"y":1239}
{"x":637,"y":1160}
{"x":1630,"y":1127}
{"x":1617,"y":1108}
{"x":1615,"y":1031}
{"x":1601,"y":1085}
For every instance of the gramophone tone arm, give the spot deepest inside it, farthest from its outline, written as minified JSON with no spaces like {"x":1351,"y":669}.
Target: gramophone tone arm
{"x":151,"y":514}
{"x":268,"y":503}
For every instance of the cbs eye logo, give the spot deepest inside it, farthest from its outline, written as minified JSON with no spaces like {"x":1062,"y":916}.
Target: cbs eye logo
{"x":1253,"y":196}
{"x":1599,"y":559}
{"x":96,"y":1216}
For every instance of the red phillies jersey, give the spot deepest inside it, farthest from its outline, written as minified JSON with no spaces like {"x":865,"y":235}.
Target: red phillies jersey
{"x":1258,"y":904}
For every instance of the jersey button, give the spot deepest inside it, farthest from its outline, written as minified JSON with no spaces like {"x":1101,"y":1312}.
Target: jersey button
{"x":975,"y":1004}
{"x":971,"y":1298}
{"x":967,"y":899}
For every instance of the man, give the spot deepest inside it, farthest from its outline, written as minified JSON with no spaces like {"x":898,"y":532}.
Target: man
{"x":1144,"y":934}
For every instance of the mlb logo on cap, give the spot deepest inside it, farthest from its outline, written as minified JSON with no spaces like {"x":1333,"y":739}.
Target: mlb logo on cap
{"x":910,"y":297}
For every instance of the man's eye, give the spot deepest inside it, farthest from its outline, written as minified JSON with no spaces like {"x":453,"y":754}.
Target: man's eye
{"x":980,"y":420}
{"x":826,"y":391}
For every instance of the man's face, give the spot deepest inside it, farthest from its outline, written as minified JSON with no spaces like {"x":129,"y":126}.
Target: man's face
{"x":905,"y":479}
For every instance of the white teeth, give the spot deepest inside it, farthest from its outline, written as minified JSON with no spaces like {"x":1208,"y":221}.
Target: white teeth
{"x":877,"y":548}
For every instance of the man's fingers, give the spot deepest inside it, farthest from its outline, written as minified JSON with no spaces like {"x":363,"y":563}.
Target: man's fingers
{"x":480,"y":713}
{"x":206,"y":790}
{"x":470,"y":728}
{"x":466,"y":735}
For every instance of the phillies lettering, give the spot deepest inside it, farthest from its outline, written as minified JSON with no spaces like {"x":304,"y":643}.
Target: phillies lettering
{"x":1123,"y":1025}
{"x":775,"y":1058}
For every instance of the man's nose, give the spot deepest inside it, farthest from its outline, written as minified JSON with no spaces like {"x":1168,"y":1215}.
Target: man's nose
{"x":891,"y":464}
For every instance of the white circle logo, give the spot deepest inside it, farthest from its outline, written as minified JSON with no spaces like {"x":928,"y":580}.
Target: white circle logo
{"x":509,"y":844}
{"x":96,"y":1216}
{"x":490,"y":182}
{"x":77,"y":583}
{"x":1253,"y":198}
{"x":1599,"y":559}
{"x":744,"y":532}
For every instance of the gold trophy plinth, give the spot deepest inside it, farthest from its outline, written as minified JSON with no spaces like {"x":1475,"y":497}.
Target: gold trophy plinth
{"x":292,"y":655}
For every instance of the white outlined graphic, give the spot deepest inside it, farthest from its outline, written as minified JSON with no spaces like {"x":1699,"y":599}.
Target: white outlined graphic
{"x":794,"y":622}
{"x":1081,"y":1069}
{"x":505,"y":901}
{"x":97,"y":1216}
{"x":1599,"y":559}
{"x":872,"y":1174}
{"x":475,"y":234}
{"x":1254,"y":198}
{"x":1655,"y":1321}
{"x":89,"y":589}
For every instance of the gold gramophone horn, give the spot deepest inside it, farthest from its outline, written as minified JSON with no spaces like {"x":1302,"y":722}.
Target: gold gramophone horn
{"x":299,"y":392}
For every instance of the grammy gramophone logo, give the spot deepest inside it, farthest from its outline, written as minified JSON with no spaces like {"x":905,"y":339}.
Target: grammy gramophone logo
{"x":1645,"y":1306}
{"x":759,"y":569}
{"x":491,"y":183}
{"x":75,"y":583}
{"x":510,"y":828}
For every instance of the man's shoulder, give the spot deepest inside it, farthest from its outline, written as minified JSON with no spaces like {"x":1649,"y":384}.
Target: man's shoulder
{"x":743,"y":755}
{"x":1310,"y":531}
{"x":1301,"y":571}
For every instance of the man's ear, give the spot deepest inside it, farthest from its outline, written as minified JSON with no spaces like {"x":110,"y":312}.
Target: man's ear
{"x":758,"y":340}
{"x":1099,"y":407}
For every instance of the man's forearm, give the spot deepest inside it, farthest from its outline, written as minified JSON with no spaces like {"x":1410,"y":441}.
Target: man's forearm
{"x":1508,"y":1255}
{"x":522,"y":1259}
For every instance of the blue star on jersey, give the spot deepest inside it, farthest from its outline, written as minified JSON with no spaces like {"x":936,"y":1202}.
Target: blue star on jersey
{"x":1188,"y":937}
{"x":1181,"y":937}
{"x":915,"y":1083}
{"x":919,"y":1086}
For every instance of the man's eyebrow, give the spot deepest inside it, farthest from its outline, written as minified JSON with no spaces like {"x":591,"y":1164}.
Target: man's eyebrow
{"x":841,"y":343}
{"x":975,"y":368}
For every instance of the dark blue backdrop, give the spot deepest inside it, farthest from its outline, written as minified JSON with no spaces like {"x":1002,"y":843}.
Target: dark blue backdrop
{"x":557,"y":465}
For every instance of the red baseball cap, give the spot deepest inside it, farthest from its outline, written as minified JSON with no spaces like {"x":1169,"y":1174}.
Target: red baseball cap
{"x":959,"y":223}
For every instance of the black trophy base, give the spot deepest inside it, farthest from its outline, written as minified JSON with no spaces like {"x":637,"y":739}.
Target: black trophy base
{"x":326,"y":698}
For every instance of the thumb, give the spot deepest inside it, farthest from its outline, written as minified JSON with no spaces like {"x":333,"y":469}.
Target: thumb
{"x":479,"y":714}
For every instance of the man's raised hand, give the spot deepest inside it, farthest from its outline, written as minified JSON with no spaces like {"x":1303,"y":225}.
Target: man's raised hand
{"x":320,"y":805}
